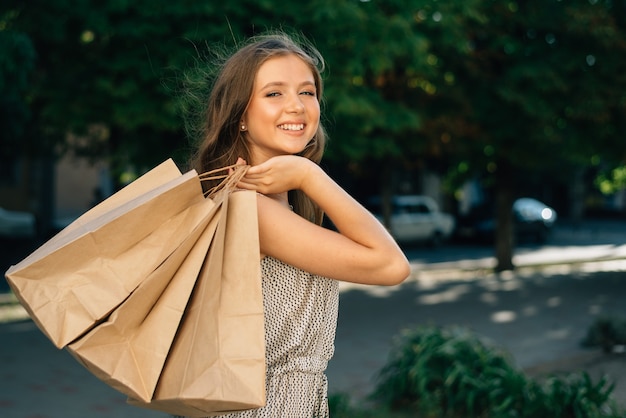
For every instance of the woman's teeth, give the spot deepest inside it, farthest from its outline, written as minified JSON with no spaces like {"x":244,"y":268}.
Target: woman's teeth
{"x":292,"y":126}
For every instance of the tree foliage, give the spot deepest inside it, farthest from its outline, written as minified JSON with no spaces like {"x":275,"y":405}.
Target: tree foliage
{"x":530,"y":90}
{"x":499,"y":89}
{"x":17,"y":59}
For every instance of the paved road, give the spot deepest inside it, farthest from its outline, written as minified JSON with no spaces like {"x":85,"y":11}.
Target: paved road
{"x":39,"y":381}
{"x":539,"y":315}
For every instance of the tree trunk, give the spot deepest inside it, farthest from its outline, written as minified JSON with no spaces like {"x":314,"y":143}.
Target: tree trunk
{"x":504,"y":231}
{"x":577,"y":197}
{"x":386,"y":192}
{"x":46,"y":205}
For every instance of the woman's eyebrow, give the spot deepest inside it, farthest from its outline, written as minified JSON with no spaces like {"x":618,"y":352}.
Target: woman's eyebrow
{"x":281,"y":83}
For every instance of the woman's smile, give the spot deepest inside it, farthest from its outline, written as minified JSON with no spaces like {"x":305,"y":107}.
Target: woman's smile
{"x":292,"y":127}
{"x":283,"y":114}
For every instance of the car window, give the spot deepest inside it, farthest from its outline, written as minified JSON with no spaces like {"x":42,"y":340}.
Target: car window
{"x":422,"y":208}
{"x":418,"y":208}
{"x":402,"y":209}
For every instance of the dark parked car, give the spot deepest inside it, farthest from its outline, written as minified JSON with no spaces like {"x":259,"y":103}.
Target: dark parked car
{"x":533,"y":221}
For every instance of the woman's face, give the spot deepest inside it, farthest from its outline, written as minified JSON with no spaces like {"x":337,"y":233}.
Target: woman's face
{"x":284,"y":112}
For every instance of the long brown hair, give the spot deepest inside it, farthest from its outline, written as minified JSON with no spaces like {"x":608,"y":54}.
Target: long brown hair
{"x":220,"y":141}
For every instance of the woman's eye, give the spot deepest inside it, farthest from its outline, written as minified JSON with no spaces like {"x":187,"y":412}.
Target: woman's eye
{"x":309,"y":93}
{"x":273,"y":94}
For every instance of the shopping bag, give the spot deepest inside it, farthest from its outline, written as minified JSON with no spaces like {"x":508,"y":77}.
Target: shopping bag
{"x":187,"y":293}
{"x":217,"y":360}
{"x":128,"y":350}
{"x":79,"y":276}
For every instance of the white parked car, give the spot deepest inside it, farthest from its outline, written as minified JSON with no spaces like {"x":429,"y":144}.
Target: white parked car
{"x":15,"y":224}
{"x":416,"y":218}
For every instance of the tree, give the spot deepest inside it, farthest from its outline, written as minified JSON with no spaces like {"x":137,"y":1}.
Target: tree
{"x":494,"y":88}
{"x":532,"y":89}
{"x":379,"y":84}
{"x":17,"y":59}
{"x":107,"y":73}
{"x":104,"y":81}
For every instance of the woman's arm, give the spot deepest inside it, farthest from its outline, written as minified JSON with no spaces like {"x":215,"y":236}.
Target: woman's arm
{"x":360,"y":251}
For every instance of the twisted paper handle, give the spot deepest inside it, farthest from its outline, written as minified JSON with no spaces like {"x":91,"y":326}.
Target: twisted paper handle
{"x":232,"y":174}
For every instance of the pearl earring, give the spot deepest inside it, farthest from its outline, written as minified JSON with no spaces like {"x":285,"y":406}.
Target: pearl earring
{"x":243,"y":127}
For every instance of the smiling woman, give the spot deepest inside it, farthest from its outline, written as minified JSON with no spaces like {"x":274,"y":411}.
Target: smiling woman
{"x":264,"y":110}
{"x":283,"y":113}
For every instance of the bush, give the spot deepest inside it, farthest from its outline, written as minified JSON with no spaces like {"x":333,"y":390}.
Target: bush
{"x":449,"y":372}
{"x":606,"y":332}
{"x":577,"y":396}
{"x":339,"y":404}
{"x":438,"y":372}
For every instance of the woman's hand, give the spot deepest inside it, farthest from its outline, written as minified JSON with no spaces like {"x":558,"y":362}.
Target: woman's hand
{"x":277,"y":175}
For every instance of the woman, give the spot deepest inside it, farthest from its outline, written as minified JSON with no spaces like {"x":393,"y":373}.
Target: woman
{"x":264,"y":110}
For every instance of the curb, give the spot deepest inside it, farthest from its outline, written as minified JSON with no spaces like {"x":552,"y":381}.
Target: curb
{"x":470,"y":269}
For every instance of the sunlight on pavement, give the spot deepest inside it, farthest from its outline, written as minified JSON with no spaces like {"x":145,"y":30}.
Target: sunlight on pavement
{"x":553,"y":302}
{"x":503,"y":317}
{"x":529,"y":311}
{"x":10,"y":309}
{"x":489,"y":298}
{"x":558,"y":334}
{"x":449,"y":295}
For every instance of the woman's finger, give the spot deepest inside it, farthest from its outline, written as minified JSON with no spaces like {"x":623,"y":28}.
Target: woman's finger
{"x":243,"y":184}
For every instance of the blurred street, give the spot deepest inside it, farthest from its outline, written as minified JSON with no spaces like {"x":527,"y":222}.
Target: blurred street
{"x":450,"y":116}
{"x":539,"y":314}
{"x":592,"y":240}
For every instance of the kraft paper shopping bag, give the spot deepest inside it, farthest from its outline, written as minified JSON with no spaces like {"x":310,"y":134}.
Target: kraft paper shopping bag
{"x":157,"y":291}
{"x":129,"y":349}
{"x":217,"y":360}
{"x":78,"y":277}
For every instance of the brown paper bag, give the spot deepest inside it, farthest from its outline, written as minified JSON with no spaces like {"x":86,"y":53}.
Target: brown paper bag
{"x":217,"y":360}
{"x":168,"y":282}
{"x":128,"y":351}
{"x":78,"y":277}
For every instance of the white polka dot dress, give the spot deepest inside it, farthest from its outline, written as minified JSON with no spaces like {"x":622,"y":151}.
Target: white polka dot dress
{"x":300,"y":322}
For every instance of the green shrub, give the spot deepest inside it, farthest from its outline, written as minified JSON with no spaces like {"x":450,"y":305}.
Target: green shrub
{"x":451,"y":372}
{"x":606,"y":332}
{"x":576,"y":396}
{"x":339,"y":404}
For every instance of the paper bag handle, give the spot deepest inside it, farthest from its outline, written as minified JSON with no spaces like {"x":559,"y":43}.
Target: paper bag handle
{"x":232,"y":174}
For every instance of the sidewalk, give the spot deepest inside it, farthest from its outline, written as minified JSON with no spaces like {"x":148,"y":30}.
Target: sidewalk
{"x":39,"y":381}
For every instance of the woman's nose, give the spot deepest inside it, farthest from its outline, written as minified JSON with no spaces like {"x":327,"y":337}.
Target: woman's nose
{"x":295,"y":104}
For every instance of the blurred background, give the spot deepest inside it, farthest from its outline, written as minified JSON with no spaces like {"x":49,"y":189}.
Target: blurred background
{"x":484,"y":129}
{"x":472,"y":104}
